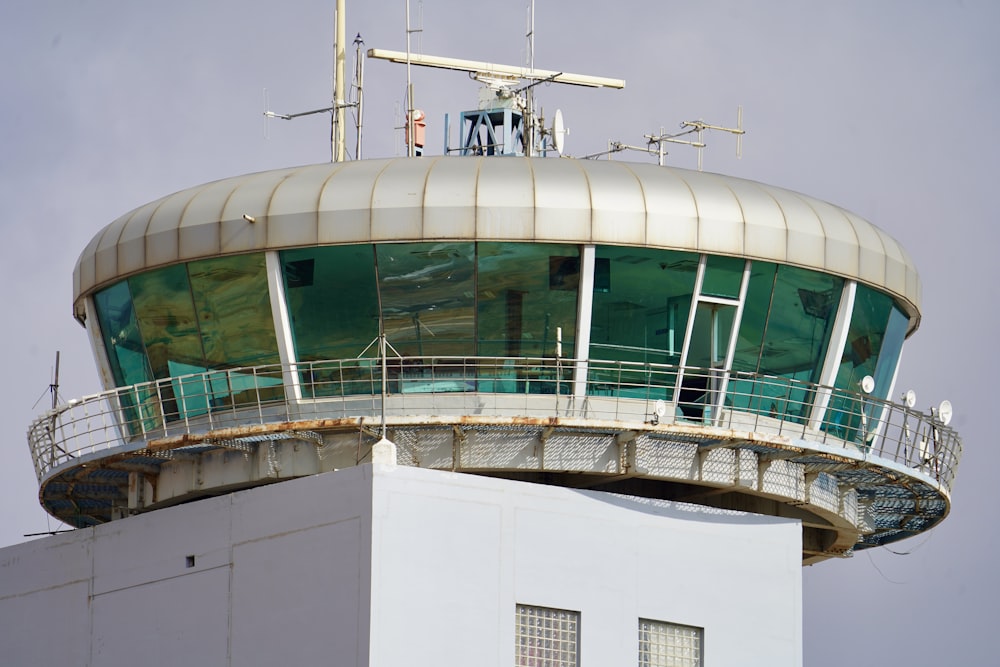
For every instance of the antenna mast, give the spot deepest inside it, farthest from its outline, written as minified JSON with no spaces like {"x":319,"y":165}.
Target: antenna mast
{"x":338,"y":147}
{"x":529,"y":140}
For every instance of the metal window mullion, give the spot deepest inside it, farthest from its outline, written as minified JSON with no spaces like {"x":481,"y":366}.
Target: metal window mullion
{"x":689,"y":327}
{"x":834,"y":352}
{"x":731,"y":348}
{"x":282,"y":326}
{"x":584,"y":319}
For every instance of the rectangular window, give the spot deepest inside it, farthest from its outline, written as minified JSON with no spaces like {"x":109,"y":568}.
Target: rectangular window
{"x":546,"y":637}
{"x":669,"y":645}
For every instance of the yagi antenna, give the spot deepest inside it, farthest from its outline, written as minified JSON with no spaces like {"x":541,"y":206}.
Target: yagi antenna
{"x":700,"y":126}
{"x":654,"y":142}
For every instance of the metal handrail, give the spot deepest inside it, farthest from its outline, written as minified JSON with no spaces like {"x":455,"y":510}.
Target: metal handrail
{"x":126,"y":418}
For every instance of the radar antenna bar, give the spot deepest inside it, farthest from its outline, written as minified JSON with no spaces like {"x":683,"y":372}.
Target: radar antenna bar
{"x":496,"y":69}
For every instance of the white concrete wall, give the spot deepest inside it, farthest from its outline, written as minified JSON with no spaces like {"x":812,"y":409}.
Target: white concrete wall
{"x":454,"y":554}
{"x":280,"y":577}
{"x":396,"y":566}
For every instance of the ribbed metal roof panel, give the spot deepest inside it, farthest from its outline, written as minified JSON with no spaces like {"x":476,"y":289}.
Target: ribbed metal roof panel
{"x":513,"y":199}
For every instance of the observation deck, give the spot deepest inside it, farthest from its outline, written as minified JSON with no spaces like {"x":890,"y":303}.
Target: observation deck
{"x":886,"y":479}
{"x":628,"y":328}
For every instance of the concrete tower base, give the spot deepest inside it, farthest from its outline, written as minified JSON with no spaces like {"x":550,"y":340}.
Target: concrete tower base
{"x":385,"y":565}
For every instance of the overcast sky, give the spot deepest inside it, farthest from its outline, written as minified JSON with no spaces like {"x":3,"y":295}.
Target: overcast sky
{"x":888,"y":109}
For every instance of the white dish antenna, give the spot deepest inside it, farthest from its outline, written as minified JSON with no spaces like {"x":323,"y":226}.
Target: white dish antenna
{"x":660,"y":407}
{"x":867,"y":384}
{"x":910,"y":398}
{"x":945,"y":412}
{"x":559,"y":132}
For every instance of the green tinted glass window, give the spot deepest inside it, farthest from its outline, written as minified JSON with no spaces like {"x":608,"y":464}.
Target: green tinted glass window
{"x":120,"y":332}
{"x":642,"y":298}
{"x":428,"y":297}
{"x":787,"y":321}
{"x":209,"y":315}
{"x":234,"y":311}
{"x":723,"y":276}
{"x":332,"y":301}
{"x":874,"y":341}
{"x":526,"y":291}
{"x":167,"y":319}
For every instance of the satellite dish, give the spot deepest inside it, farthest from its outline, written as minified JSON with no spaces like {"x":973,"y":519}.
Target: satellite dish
{"x":945,"y":412}
{"x":660,"y":407}
{"x":559,"y":132}
{"x":867,"y":384}
{"x":910,"y":398}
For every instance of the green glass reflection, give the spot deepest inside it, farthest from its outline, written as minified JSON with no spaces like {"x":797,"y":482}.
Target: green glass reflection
{"x":126,"y":356}
{"x":526,"y":291}
{"x":428,"y":294}
{"x":723,"y":276}
{"x":332,"y":302}
{"x":874,"y":341}
{"x":234,"y":311}
{"x":120,"y":332}
{"x":212,"y":314}
{"x":642,"y":298}
{"x":787,"y":320}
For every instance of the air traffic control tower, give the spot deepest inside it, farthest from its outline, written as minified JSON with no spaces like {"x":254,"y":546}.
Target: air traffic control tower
{"x":620,"y":327}
{"x":646,"y":335}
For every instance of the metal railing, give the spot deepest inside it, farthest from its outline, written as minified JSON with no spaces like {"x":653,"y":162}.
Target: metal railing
{"x":127,"y":418}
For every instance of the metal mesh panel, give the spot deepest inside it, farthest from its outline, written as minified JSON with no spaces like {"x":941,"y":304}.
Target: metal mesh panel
{"x":666,"y":458}
{"x":669,"y":645}
{"x":719,"y":466}
{"x":784,"y":478}
{"x":579,"y":452}
{"x":546,"y":637}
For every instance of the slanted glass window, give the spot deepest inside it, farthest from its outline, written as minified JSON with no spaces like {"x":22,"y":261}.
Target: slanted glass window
{"x":874,"y":341}
{"x":669,"y":645}
{"x":787,"y":321}
{"x":642,"y":298}
{"x":332,"y":302}
{"x":127,"y":357}
{"x":120,"y":332}
{"x":546,"y":637}
{"x":191,"y":319}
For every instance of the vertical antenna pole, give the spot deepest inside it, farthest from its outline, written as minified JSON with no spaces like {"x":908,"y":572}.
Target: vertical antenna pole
{"x":530,"y":120}
{"x":54,"y":387}
{"x":409,"y":89}
{"x":337,"y":133}
{"x":359,"y":75}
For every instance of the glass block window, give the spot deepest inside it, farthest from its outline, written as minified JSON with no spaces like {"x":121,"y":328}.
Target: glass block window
{"x":669,"y":645}
{"x":546,"y":637}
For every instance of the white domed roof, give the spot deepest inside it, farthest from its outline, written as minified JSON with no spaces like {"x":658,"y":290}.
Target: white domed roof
{"x":490,"y":198}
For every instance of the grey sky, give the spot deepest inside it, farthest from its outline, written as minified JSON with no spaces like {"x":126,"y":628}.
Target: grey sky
{"x":885,"y":108}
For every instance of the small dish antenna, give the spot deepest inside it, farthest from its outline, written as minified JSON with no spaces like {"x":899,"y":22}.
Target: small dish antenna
{"x":660,"y":408}
{"x":559,"y":132}
{"x":944,"y":412}
{"x":867,"y":384}
{"x":910,"y":398}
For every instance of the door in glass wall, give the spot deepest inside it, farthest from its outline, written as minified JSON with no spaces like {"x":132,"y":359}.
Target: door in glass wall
{"x":705,"y":368}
